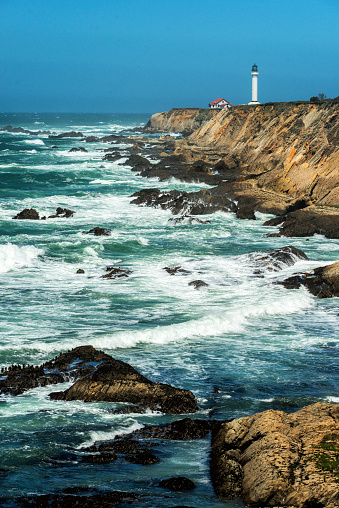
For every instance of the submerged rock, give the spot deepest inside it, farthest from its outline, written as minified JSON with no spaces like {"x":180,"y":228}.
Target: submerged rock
{"x":180,"y":483}
{"x":116,"y":272}
{"x":175,"y":270}
{"x":80,"y":149}
{"x":279,"y":460}
{"x":323,"y":282}
{"x":275,"y":259}
{"x":144,"y":458}
{"x":197,"y":284}
{"x":28,"y":214}
{"x":62,"y":213}
{"x":78,"y":497}
{"x":97,"y":231}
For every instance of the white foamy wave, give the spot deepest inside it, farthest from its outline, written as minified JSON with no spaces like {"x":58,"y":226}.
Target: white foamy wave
{"x":334,"y":400}
{"x":12,"y":256}
{"x":34,"y":142}
{"x":95,"y":436}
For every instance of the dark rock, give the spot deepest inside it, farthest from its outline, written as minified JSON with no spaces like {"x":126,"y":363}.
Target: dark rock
{"x":120,"y":445}
{"x":138,"y":162}
{"x":91,"y":139}
{"x":54,"y":146}
{"x":10,"y":128}
{"x":275,"y":259}
{"x":80,"y":149}
{"x":98,"y":232}
{"x":71,"y":134}
{"x":62,"y":213}
{"x":197,"y":284}
{"x":245,"y":208}
{"x":323,"y":282}
{"x":102,"y":458}
{"x":189,"y":219}
{"x":112,"y":157}
{"x":175,"y":270}
{"x":307,"y":222}
{"x":181,"y":483}
{"x":28,"y":214}
{"x":116,"y":273}
{"x":179,"y":430}
{"x":80,"y":270}
{"x":78,"y":362}
{"x":194,"y":203}
{"x":92,"y":499}
{"x":116,"y":381}
{"x":144,"y":458}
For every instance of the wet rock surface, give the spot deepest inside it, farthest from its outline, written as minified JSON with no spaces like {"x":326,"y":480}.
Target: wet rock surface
{"x":197,"y":284}
{"x":176,"y":270}
{"x":275,"y":259}
{"x":179,"y":430}
{"x":103,"y":379}
{"x":63,"y":213}
{"x":71,"y":134}
{"x":307,"y":222}
{"x":116,"y":272}
{"x":78,"y":497}
{"x":323,"y":282}
{"x":28,"y":214}
{"x":115,"y":381}
{"x":97,"y":231}
{"x":180,"y":483}
{"x":192,"y":203}
{"x":276,"y":459}
{"x":79,"y":149}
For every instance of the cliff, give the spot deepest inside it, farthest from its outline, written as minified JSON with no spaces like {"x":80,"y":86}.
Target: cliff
{"x":179,"y":120}
{"x":279,"y":460}
{"x":288,"y":148}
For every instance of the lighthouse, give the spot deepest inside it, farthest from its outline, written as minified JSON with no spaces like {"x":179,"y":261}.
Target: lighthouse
{"x":255,"y":74}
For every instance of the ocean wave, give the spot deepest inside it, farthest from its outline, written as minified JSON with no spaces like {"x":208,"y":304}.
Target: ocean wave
{"x":33,"y":141}
{"x":95,"y":436}
{"x":13,"y":257}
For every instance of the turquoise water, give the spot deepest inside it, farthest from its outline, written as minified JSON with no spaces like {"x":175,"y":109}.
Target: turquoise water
{"x":262,"y":346}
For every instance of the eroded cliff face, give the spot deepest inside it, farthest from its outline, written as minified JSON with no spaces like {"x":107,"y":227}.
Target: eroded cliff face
{"x":179,"y":120}
{"x":288,"y":148}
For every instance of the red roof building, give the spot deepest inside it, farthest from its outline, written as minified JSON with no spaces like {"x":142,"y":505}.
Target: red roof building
{"x":220,"y":104}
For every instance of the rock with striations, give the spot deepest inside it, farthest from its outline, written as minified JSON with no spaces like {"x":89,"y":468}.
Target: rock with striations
{"x":101,"y":378}
{"x":323,"y":282}
{"x":275,"y":459}
{"x":28,"y":214}
{"x":116,"y":381}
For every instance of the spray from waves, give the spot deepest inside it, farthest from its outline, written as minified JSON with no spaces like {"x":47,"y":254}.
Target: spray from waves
{"x":95,"y":436}
{"x":34,"y":142}
{"x":13,"y":257}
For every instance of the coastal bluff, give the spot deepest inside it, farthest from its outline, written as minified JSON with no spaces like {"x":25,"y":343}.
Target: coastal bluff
{"x":279,"y":151}
{"x":274,"y":459}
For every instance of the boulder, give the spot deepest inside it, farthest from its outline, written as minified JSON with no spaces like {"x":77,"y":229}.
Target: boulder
{"x":116,"y":273}
{"x":80,"y":149}
{"x":97,"y":231}
{"x":323,"y":282}
{"x":275,"y":459}
{"x":180,"y":483}
{"x":116,"y":381}
{"x":62,"y":213}
{"x":80,"y":270}
{"x":28,"y":214}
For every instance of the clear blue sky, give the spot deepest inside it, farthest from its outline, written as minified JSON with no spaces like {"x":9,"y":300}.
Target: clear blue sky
{"x":151,"y":55}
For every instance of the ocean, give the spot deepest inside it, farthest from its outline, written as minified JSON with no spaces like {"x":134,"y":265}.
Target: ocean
{"x":242,"y":344}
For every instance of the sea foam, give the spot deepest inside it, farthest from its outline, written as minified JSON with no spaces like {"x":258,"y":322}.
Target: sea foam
{"x":13,"y":257}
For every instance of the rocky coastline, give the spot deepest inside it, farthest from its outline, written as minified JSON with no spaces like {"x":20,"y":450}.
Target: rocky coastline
{"x":263,"y":159}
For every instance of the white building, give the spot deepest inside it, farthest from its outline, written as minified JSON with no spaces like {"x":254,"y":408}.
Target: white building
{"x":220,"y":104}
{"x":255,"y":74}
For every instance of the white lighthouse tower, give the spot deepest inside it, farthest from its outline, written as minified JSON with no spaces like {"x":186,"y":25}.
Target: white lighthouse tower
{"x":255,"y":74}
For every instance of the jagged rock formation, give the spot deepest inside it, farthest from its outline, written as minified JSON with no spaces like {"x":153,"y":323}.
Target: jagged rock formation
{"x":183,"y":120}
{"x":323,"y":282}
{"x":274,"y":459}
{"x":100,"y":377}
{"x":277,"y":158}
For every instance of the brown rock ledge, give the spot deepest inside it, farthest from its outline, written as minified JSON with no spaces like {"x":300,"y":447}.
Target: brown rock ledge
{"x":323,"y":282}
{"x":274,"y":459}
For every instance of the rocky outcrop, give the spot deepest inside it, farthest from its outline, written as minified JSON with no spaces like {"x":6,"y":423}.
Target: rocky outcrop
{"x":307,"y":222}
{"x":100,"y":377}
{"x":273,"y":260}
{"x":71,"y":134}
{"x":116,"y":381}
{"x":62,"y":213}
{"x":323,"y":282}
{"x":97,"y":231}
{"x":28,"y":214}
{"x":274,"y":459}
{"x":116,"y":272}
{"x":182,"y":120}
{"x":179,"y":430}
{"x":196,"y":203}
{"x":79,"y":496}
